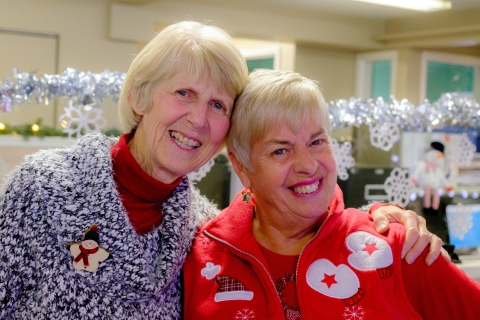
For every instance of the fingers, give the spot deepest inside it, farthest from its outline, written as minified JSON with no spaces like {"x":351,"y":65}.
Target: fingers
{"x":435,"y":250}
{"x":417,"y":239}
{"x":445,"y":255}
{"x":416,"y":236}
{"x":381,"y":221}
{"x":383,"y":215}
{"x":414,"y":244}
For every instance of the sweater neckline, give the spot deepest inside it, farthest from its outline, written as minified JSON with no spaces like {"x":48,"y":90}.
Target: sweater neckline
{"x":141,"y":194}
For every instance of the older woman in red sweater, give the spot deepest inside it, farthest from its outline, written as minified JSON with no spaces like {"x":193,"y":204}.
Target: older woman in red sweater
{"x":286,"y":248}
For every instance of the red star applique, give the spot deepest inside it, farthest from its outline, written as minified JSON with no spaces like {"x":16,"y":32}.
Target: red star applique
{"x":370,"y":248}
{"x":329,"y":279}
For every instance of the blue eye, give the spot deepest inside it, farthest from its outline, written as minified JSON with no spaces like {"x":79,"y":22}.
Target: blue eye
{"x":218,"y":106}
{"x":183,"y":93}
{"x":279,"y":152}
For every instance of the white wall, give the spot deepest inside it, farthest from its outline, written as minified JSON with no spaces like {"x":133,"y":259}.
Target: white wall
{"x":82,"y":27}
{"x":335,"y":70}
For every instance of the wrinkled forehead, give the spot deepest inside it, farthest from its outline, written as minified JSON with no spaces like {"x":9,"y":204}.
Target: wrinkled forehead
{"x":206,"y":80}
{"x":297,"y":118}
{"x":293,"y":119}
{"x":199,"y":69}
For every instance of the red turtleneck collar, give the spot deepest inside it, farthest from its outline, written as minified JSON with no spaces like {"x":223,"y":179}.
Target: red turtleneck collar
{"x":141,"y":194}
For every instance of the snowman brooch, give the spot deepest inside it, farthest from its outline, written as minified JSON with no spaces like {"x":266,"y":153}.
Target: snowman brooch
{"x":87,"y":254}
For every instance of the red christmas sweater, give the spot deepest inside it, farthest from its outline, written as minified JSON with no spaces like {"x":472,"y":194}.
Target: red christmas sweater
{"x":347,"y":271}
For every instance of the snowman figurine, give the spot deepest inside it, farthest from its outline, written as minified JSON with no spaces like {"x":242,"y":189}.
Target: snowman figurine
{"x":87,"y":254}
{"x":430,"y":175}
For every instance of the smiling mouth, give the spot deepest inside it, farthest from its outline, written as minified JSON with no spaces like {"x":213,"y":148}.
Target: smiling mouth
{"x":183,"y":141}
{"x":307,"y":189}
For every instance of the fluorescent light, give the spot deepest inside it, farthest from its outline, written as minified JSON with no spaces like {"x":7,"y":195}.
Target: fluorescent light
{"x":420,"y":5}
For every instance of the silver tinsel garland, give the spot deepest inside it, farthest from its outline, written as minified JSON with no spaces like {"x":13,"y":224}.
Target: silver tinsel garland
{"x":89,"y":88}
{"x":84,"y":87}
{"x":450,"y":109}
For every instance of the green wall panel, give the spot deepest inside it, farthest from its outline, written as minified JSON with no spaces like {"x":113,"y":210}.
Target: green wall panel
{"x":266,"y":63}
{"x":381,"y":75}
{"x":447,"y":77}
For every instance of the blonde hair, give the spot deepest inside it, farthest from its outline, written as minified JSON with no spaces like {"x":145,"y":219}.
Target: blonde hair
{"x":270,"y":99}
{"x":201,"y":51}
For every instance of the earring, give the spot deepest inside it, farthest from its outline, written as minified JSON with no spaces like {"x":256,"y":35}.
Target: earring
{"x":246,"y":195}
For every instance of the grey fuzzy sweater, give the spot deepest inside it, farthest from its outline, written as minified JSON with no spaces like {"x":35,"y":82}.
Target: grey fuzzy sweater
{"x":51,"y":200}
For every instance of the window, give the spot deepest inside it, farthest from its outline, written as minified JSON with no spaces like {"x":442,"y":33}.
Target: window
{"x":261,"y":63}
{"x":262,"y":57}
{"x":376,"y":74}
{"x":381,"y":74}
{"x":447,"y":73}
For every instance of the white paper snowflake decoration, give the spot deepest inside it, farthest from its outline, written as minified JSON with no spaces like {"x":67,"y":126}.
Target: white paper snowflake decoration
{"x":343,"y":157}
{"x":82,"y":119}
{"x":397,"y":187}
{"x":461,"y":221}
{"x":467,"y":151}
{"x":385,"y":135}
{"x":202,"y":172}
{"x":206,"y":168}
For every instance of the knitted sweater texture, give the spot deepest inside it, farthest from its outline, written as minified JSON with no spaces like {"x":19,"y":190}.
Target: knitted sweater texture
{"x":50,"y":201}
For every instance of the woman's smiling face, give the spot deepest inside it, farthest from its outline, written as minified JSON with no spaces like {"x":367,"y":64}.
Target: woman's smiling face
{"x":294,"y":174}
{"x":184,"y":128}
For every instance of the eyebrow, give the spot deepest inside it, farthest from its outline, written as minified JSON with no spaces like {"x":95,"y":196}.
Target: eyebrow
{"x":286,"y":142}
{"x":221,"y":97}
{"x":318,"y":133}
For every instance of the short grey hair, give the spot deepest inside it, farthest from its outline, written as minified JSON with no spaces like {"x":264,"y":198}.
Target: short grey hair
{"x":273,"y":98}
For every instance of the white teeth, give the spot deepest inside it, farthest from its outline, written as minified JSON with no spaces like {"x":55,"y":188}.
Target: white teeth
{"x":307,"y":189}
{"x":183,"y":141}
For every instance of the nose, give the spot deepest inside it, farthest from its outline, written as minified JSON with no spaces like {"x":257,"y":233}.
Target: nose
{"x":197,"y":114}
{"x":304,"y":162}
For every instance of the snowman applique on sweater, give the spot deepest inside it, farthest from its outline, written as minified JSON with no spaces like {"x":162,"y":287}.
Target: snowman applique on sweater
{"x":88,"y":253}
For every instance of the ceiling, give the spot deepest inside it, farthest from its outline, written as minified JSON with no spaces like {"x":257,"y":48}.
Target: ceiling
{"x":466,"y":37}
{"x":346,"y":8}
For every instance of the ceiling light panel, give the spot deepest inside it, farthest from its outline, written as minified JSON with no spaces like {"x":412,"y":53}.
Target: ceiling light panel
{"x":419,"y":5}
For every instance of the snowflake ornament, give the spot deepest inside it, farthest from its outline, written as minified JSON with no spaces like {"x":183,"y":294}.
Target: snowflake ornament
{"x":467,"y":150}
{"x":385,"y":135}
{"x":206,"y":168}
{"x":461,"y":221}
{"x":398,"y":186}
{"x":202,"y":172}
{"x":344,"y":158}
{"x":245,"y":314}
{"x":82,"y":119}
{"x":354,"y":313}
